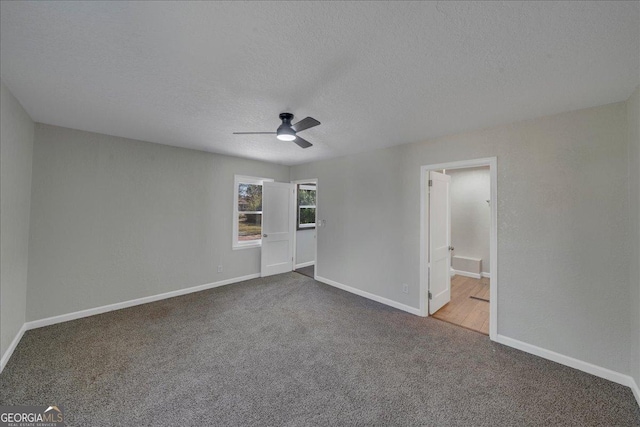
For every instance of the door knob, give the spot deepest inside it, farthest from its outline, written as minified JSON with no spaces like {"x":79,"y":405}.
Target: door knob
{"x":451,"y":248}
{"x":264,"y":235}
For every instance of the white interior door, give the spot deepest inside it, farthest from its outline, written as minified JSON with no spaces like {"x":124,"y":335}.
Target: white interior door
{"x":278,"y":225}
{"x":439,"y":241}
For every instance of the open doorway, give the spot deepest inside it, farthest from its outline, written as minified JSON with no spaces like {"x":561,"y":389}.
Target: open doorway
{"x":459,"y":244}
{"x":470,"y":205}
{"x":305,"y":247}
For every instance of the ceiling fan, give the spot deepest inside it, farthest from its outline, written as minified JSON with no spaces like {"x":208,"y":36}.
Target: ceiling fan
{"x":288,"y":132}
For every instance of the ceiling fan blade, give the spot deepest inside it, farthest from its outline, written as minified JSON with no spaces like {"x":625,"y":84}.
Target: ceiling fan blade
{"x":254,"y":133}
{"x":303,"y":143}
{"x":306,"y":123}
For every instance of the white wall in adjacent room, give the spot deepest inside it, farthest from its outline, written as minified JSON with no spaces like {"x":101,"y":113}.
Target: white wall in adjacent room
{"x":470,"y":213}
{"x":305,"y":246}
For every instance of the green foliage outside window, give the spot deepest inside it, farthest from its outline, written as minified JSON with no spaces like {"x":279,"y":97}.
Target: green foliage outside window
{"x":306,"y":207}
{"x":249,"y":200}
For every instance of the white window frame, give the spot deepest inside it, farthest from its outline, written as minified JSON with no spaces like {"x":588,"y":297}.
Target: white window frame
{"x":243,"y":179}
{"x":311,"y":224}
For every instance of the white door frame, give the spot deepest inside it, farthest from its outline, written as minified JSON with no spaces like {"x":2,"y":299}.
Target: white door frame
{"x":492,"y":163}
{"x":295,"y":234}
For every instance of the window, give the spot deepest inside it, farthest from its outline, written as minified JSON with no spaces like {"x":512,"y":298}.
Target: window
{"x":306,"y":206}
{"x":247,"y":211}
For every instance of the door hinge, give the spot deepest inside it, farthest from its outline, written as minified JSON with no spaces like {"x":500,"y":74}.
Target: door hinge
{"x":430,"y":183}
{"x":429,"y":294}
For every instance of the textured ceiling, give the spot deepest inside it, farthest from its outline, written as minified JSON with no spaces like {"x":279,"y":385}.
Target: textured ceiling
{"x":375,"y":74}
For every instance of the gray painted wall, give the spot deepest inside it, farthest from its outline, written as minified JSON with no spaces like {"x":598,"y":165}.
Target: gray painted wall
{"x":562,"y":226}
{"x":305,"y":246}
{"x":16,"y":148}
{"x":114,"y":219}
{"x":633,"y":123}
{"x":470,"y":214}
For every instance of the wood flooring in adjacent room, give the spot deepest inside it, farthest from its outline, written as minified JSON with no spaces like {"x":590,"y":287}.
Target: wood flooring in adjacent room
{"x":463,"y":310}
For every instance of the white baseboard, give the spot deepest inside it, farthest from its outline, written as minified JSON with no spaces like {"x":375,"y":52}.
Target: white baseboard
{"x":111,"y":307}
{"x":590,"y":368}
{"x":125,"y":304}
{"x":635,"y":390}
{"x":304,"y":264}
{"x":580,"y":365}
{"x":467,"y":274}
{"x":368,"y":295}
{"x":485,"y":274}
{"x":7,"y":354}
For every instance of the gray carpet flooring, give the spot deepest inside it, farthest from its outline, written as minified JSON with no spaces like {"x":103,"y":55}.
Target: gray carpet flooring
{"x":290,"y":351}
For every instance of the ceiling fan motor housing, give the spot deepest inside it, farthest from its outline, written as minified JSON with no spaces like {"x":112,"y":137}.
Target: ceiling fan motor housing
{"x":285,"y":132}
{"x":286,"y":118}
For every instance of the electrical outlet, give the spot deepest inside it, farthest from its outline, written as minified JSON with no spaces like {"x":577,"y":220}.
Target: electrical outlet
{"x":219,"y":269}
{"x":405,"y":288}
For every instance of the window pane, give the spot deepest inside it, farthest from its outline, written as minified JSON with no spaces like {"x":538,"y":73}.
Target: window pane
{"x":249,"y":197}
{"x":249,"y":227}
{"x":307,"y":216}
{"x":306,"y":197}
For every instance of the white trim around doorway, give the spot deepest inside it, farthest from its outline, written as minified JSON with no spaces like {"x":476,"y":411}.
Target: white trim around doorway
{"x":492,"y":163}
{"x":295,"y":242}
